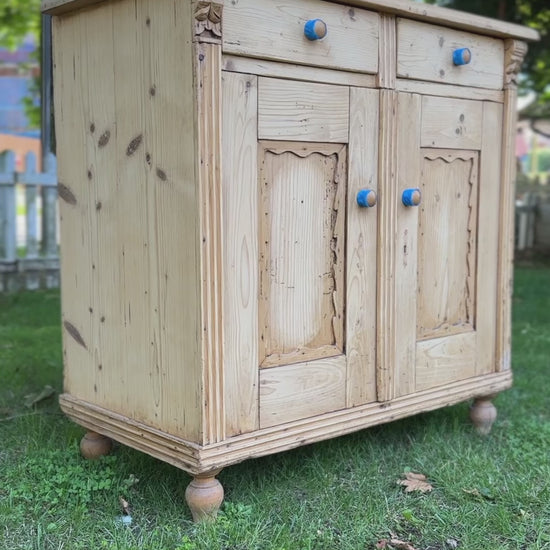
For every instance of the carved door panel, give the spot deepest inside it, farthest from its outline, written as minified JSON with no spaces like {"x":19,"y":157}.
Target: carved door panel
{"x":450,"y":240}
{"x":299,"y":253}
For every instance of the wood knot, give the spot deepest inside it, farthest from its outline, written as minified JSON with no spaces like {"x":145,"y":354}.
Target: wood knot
{"x":104,"y":139}
{"x":133,"y":145}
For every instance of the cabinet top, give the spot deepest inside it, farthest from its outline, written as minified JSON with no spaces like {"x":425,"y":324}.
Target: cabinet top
{"x":407,"y":8}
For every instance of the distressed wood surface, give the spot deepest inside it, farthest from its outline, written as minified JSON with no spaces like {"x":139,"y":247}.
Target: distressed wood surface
{"x":405,"y":8}
{"x":361,"y":247}
{"x":275,"y":30}
{"x":302,"y":236}
{"x":240,"y":250}
{"x":264,"y":67}
{"x":302,"y":111}
{"x":448,"y":90}
{"x":425,"y":52}
{"x":209,"y":113}
{"x":122,"y":280}
{"x":293,"y":392}
{"x":387,"y":52}
{"x":447,"y":243}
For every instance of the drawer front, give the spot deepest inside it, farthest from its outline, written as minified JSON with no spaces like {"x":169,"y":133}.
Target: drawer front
{"x":274,"y":29}
{"x":425,"y":52}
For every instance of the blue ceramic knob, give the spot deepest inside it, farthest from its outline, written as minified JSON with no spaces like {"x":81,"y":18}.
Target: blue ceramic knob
{"x":462,"y":56}
{"x":366,"y":198}
{"x":411,"y":197}
{"x":315,"y":29}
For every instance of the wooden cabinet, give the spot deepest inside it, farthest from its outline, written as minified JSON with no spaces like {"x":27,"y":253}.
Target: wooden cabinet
{"x":281,"y":221}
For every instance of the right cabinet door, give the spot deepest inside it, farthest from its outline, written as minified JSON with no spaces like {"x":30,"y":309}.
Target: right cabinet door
{"x":446,"y":273}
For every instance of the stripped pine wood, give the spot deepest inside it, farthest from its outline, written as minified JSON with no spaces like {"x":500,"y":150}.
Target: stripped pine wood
{"x":263,"y":67}
{"x":514,"y":54}
{"x":361,"y":249}
{"x":447,"y":243}
{"x":406,"y":249}
{"x":300,"y":391}
{"x":312,"y":112}
{"x":388,"y":202}
{"x":303,"y":188}
{"x":448,"y":90}
{"x":490,"y":192}
{"x":450,"y":123}
{"x":424,"y":12}
{"x":240,"y":198}
{"x":71,"y":151}
{"x":209,"y":111}
{"x":425,"y":52}
{"x":275,"y":30}
{"x":193,"y":458}
{"x":387,"y":52}
{"x":441,"y":361}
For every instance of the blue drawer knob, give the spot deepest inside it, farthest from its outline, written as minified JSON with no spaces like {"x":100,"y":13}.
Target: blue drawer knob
{"x":366,"y":198}
{"x":315,"y":29}
{"x":462,"y":56}
{"x":411,"y":197}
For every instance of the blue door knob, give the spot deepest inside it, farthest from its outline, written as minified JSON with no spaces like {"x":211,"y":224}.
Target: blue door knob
{"x":411,"y":197}
{"x":366,"y":198}
{"x":315,"y":29}
{"x":462,"y":56}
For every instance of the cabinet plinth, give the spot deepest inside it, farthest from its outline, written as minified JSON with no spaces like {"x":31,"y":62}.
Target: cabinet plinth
{"x":276,"y":238}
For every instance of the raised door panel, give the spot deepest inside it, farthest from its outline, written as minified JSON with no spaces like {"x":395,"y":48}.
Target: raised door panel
{"x":451,"y":298}
{"x":293,"y":349}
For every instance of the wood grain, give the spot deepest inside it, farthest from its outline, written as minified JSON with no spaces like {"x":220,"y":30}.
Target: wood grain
{"x":301,"y":111}
{"x":490,"y":193}
{"x":425,"y":52}
{"x":451,"y":123}
{"x":447,"y":243}
{"x":448,"y":90}
{"x":275,"y":30}
{"x":361,"y":249}
{"x":240,"y":250}
{"x":301,"y":391}
{"x":387,"y":52}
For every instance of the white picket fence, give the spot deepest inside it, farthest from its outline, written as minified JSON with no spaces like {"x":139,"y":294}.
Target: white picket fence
{"x":29,"y":243}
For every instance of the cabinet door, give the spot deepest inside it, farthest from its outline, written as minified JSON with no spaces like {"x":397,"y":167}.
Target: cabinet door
{"x":299,"y":257}
{"x":448,"y":245}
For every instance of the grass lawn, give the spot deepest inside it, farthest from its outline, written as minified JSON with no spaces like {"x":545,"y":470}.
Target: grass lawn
{"x":489,"y":493}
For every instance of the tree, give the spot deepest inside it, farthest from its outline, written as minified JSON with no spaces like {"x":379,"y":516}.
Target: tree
{"x":532,"y":13}
{"x":18,"y":18}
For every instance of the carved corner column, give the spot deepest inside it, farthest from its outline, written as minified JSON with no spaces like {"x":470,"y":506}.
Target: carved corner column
{"x":515,"y":51}
{"x":208,"y":59}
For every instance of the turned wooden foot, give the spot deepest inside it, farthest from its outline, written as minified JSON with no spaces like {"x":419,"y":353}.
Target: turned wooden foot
{"x":483,"y":414}
{"x":204,"y":496}
{"x":94,"y":445}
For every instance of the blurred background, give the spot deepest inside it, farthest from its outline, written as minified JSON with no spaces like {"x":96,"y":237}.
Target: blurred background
{"x":28,"y":217}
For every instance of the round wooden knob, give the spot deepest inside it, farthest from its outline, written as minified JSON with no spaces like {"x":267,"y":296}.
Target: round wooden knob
{"x":366,"y":198}
{"x":462,"y":56}
{"x":315,"y":29}
{"x":411,"y":197}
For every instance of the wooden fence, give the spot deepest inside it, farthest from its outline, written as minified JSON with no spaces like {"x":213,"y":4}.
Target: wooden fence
{"x":29,"y":251}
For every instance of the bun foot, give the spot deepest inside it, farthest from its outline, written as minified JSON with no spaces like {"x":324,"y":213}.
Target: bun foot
{"x":483,"y":414}
{"x":94,"y":445}
{"x":204,"y":496}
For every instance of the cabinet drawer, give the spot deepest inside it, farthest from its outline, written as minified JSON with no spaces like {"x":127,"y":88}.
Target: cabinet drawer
{"x":274,"y":29}
{"x":425,"y":52}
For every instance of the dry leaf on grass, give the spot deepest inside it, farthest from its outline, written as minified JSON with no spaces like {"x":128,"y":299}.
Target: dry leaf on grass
{"x":125,"y":506}
{"x":394,"y":544}
{"x":415,"y":482}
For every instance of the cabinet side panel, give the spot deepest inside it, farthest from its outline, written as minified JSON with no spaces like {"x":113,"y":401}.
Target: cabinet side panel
{"x":488,"y":238}
{"x":240,"y":250}
{"x":361,"y":249}
{"x":137,"y":116}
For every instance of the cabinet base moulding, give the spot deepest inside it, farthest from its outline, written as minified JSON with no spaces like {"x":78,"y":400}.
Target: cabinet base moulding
{"x":198,"y":459}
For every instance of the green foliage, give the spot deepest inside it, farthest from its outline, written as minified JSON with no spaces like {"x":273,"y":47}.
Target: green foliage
{"x":18,"y":18}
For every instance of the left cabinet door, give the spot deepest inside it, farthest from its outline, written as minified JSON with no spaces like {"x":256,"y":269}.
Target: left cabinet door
{"x":299,"y":254}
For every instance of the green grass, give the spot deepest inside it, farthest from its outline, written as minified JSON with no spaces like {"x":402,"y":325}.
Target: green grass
{"x":489,"y":493}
